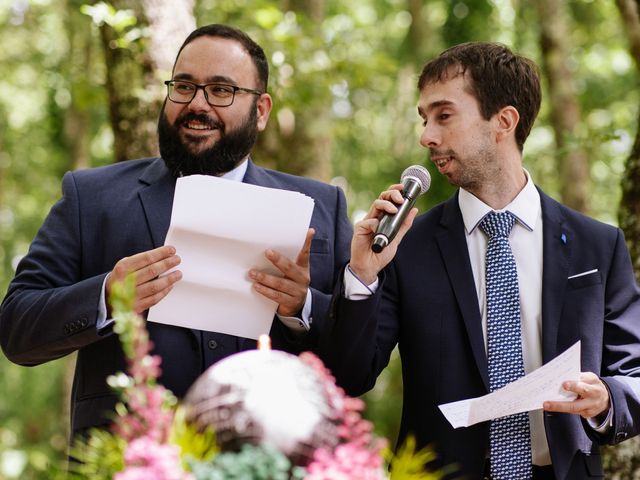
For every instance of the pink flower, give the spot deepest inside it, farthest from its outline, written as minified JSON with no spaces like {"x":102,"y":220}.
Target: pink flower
{"x":358,"y":454}
{"x":146,"y":459}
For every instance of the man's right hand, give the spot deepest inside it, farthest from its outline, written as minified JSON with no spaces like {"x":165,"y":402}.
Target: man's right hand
{"x":148,"y":267}
{"x":364,"y":263}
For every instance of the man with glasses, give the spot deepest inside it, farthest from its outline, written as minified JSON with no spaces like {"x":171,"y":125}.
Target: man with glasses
{"x":112,"y":221}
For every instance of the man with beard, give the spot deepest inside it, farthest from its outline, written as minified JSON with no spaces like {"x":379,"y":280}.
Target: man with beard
{"x":112,"y":221}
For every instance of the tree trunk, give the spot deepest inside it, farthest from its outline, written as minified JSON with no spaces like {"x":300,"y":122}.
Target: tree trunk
{"x":623,"y":461}
{"x":134,"y":74}
{"x":300,"y":142}
{"x":629,"y":213}
{"x":313,"y":131}
{"x":170,"y":22}
{"x":420,"y":45}
{"x":130,"y":120}
{"x":77,"y":120}
{"x":565,"y":108}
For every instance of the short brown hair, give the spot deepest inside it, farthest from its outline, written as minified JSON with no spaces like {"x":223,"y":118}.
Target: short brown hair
{"x":496,"y":77}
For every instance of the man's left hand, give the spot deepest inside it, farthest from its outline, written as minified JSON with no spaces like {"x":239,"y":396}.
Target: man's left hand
{"x":290,"y":291}
{"x":593,"y":397}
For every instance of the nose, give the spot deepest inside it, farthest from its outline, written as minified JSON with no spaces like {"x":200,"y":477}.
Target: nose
{"x":199,"y":102}
{"x":430,"y":137}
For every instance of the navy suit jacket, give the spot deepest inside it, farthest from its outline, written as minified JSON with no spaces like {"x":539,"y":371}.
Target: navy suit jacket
{"x":427,"y":304}
{"x":105,"y":214}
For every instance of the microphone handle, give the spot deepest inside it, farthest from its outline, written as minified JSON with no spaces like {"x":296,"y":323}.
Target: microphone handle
{"x":390,"y":224}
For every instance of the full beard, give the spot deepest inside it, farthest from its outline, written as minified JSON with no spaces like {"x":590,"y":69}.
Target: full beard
{"x":225,"y":155}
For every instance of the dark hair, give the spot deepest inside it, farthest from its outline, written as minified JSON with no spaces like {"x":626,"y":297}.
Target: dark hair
{"x":496,"y":77}
{"x":252,"y":48}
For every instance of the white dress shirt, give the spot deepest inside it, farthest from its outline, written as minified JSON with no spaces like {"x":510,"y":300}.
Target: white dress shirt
{"x":526,"y":244}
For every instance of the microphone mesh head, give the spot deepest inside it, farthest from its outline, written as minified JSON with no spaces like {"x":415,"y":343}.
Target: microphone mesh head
{"x":421,"y":174}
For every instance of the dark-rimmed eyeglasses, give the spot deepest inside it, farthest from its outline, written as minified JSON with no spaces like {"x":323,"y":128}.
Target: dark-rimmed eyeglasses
{"x":216,"y":94}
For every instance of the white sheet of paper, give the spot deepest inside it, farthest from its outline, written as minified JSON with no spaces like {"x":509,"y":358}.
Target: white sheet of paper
{"x":525,"y":394}
{"x":221,"y":229}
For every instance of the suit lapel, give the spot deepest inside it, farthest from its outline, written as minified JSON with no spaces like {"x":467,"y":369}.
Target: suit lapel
{"x":258,"y":176}
{"x":557,"y":238}
{"x":156,"y":196}
{"x":556,"y":254}
{"x":455,"y":255}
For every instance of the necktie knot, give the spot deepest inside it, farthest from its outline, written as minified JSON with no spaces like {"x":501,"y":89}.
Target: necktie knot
{"x":498,"y":224}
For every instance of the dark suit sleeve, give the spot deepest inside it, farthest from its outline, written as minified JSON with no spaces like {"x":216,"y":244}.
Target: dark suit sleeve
{"x":621,"y":345}
{"x":49,"y":311}
{"x":361,"y":335}
{"x":342,"y":234}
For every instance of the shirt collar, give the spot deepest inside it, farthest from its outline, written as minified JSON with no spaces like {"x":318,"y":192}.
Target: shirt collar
{"x":525,"y":207}
{"x":237,"y":174}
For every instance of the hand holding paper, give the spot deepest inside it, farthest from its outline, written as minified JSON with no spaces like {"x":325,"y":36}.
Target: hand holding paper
{"x":593,"y":398}
{"x":149,"y":268}
{"x":525,"y":394}
{"x":221,"y":230}
{"x":290,"y":290}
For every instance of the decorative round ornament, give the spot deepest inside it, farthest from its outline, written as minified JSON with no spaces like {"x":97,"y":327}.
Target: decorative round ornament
{"x":264,"y":397}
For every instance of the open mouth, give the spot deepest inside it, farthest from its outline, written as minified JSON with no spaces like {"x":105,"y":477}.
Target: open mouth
{"x":194,"y":125}
{"x":440,"y":162}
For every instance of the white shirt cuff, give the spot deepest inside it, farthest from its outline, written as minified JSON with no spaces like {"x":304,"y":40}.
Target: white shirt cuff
{"x":356,"y":289}
{"x":605,"y":425}
{"x":300,"y":324}
{"x":102,"y":321}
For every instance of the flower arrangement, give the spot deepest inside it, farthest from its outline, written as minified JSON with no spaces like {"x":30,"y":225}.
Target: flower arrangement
{"x":152,"y":438}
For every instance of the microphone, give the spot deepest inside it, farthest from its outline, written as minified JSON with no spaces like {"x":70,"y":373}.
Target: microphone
{"x":415,"y":181}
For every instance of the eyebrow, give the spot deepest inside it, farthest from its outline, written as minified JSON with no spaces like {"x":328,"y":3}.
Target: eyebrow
{"x":212,"y":79}
{"x":432,"y":105}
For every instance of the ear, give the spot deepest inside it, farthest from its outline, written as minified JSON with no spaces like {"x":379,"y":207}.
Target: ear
{"x":263,"y":107}
{"x":507,"y":120}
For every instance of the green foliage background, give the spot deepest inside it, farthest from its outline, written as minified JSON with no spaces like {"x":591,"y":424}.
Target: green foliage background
{"x":348,"y":79}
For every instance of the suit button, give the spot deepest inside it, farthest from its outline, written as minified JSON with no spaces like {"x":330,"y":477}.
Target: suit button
{"x":213,"y":344}
{"x":620,"y":436}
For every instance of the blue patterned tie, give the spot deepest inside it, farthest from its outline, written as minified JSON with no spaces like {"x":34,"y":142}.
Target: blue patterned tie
{"x":510,"y":442}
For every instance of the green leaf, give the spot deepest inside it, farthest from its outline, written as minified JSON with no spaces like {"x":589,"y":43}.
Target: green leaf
{"x":98,"y":457}
{"x":200,"y":446}
{"x":407,"y":464}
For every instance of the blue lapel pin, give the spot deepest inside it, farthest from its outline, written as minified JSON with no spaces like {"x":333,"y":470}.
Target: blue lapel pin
{"x":563,"y":238}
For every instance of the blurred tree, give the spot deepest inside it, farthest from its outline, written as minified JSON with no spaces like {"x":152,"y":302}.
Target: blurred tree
{"x":555,"y":44}
{"x":469,"y":20}
{"x":170,"y":22}
{"x":121,"y":27}
{"x":77,"y":118}
{"x":306,"y":148}
{"x":629,"y":213}
{"x":140,"y":40}
{"x":34,"y":97}
{"x":623,"y":461}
